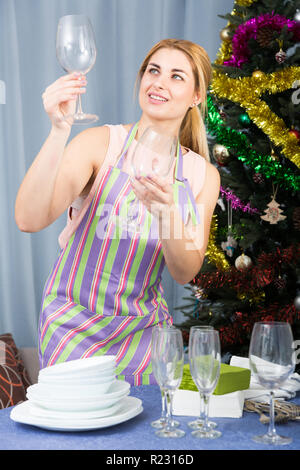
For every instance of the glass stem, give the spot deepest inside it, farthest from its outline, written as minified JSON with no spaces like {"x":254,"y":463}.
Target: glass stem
{"x":79,"y":108}
{"x":201,"y":407}
{"x":169,"y":410}
{"x":205,"y":411}
{"x":271,"y":430}
{"x":163,"y":404}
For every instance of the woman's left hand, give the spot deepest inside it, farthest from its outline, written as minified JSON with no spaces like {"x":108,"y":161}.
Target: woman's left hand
{"x":155,"y":193}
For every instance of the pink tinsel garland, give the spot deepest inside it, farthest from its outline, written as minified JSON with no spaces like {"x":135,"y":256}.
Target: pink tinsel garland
{"x":249,"y":30}
{"x":236,"y":203}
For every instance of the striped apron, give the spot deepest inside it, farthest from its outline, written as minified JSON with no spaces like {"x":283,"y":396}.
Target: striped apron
{"x":104,"y":293}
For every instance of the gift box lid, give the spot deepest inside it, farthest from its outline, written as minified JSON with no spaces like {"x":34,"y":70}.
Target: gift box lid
{"x":231,"y":379}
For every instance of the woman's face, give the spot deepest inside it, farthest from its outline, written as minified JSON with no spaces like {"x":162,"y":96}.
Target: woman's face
{"x":167,"y":87}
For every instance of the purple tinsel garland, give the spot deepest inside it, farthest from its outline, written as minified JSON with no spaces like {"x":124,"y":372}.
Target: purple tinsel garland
{"x":236,"y":203}
{"x":249,"y":30}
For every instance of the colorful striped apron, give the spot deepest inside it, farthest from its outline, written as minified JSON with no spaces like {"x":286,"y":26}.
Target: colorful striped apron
{"x":104,"y":293}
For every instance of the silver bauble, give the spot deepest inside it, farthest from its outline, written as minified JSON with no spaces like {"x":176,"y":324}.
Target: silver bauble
{"x":243,"y":262}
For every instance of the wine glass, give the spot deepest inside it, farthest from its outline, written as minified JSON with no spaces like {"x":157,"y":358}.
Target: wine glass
{"x":167,"y":365}
{"x":271,"y":362}
{"x":154,"y":154}
{"x":161,"y":422}
{"x":76,"y":52}
{"x":205,"y":363}
{"x":198,"y":423}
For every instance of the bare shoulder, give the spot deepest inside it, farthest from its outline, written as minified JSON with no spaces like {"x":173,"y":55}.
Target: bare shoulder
{"x":212,"y":175}
{"x":211,"y":187}
{"x":92,"y":143}
{"x":93,"y":140}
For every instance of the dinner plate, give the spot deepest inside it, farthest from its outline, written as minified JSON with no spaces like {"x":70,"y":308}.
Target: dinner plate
{"x":118,"y":390}
{"x":74,"y":415}
{"x":131,"y":407}
{"x":69,"y":391}
{"x":79,"y":366}
{"x":93,"y":377}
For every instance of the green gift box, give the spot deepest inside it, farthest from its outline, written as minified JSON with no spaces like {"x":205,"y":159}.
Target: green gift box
{"x":231,"y":379}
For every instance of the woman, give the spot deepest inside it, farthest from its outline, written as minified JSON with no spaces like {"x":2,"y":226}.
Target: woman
{"x":104,"y":294}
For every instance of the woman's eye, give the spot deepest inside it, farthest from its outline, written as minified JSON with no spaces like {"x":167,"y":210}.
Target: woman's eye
{"x":177,"y":77}
{"x":153,"y":71}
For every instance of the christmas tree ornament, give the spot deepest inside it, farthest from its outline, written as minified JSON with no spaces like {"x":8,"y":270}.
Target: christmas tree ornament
{"x":280,"y":56}
{"x":225,"y":34}
{"x":221,"y":154}
{"x":265,"y":36}
{"x":258,"y":178}
{"x":230,"y":244}
{"x":296,"y":218}
{"x":222,"y":112}
{"x":273,"y":213}
{"x":280,"y":283}
{"x":294,"y":133}
{"x":199,"y":293}
{"x":243,"y":262}
{"x":297,"y":15}
{"x":274,"y":156}
{"x":258,"y":74}
{"x":297,"y":301}
{"x":244,"y":120}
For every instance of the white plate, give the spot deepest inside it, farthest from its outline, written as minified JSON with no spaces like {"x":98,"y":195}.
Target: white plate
{"x":93,"y":378}
{"x":81,"y":366}
{"x":70,"y":391}
{"x":119,"y":389}
{"x":74,"y":415}
{"x":130,"y":408}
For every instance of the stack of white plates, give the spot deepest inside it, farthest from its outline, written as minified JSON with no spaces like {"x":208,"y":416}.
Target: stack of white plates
{"x":78,"y":395}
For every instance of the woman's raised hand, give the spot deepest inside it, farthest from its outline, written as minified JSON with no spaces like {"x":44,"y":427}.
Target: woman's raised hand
{"x":60,"y":97}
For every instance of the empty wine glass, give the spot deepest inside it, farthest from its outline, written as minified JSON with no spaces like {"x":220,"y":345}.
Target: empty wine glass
{"x":198,"y":423}
{"x":205,"y":363}
{"x":154,"y":154}
{"x":161,"y":422}
{"x":167,"y":365}
{"x":272,"y":362}
{"x":76,"y":52}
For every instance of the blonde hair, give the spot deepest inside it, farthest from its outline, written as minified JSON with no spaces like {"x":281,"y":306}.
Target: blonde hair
{"x":192,"y":131}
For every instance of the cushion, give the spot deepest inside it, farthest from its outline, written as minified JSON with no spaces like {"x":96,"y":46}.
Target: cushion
{"x":14,"y":378}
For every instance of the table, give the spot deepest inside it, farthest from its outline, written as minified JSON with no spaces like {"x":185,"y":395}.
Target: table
{"x":138,"y":434}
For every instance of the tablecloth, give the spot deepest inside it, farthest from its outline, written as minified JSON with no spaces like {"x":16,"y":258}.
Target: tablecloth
{"x":137,"y":434}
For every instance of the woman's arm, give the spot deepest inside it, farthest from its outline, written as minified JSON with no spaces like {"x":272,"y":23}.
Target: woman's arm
{"x":58,"y":175}
{"x":184,"y":248}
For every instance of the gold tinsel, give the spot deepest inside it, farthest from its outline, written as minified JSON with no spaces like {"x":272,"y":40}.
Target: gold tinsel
{"x":245,"y":3}
{"x":225,"y":51}
{"x":213,"y":253}
{"x":247,"y":92}
{"x":253,"y":297}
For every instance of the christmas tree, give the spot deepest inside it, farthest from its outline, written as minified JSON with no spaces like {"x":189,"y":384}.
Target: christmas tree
{"x":251,"y":269}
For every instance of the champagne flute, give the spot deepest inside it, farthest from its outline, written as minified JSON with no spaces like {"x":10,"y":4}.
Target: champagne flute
{"x":167,"y":367}
{"x":76,"y":52}
{"x":161,"y":422}
{"x":271,"y":362}
{"x":198,"y":423}
{"x":205,"y":363}
{"x":154,"y":154}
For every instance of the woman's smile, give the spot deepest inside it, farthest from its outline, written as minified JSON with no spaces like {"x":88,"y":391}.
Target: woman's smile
{"x":155,"y":98}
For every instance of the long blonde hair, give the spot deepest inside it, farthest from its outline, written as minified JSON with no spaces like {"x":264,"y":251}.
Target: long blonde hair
{"x":192,"y":131}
